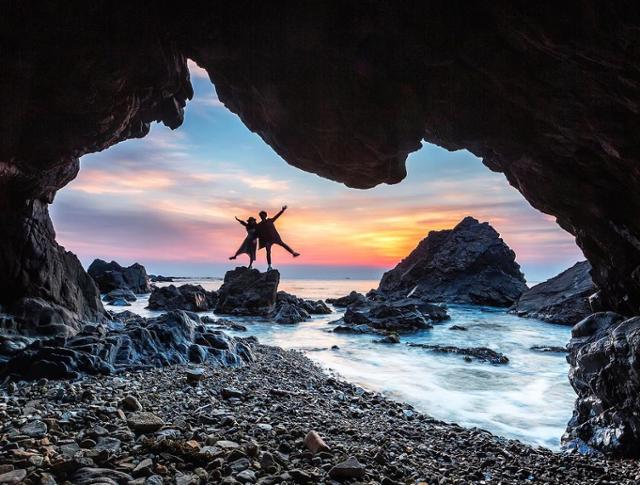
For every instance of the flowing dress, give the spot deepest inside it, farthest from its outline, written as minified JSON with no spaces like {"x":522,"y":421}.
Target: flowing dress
{"x":248,"y":246}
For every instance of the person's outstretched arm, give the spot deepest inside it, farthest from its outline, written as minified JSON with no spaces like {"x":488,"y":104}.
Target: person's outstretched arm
{"x":284,"y":208}
{"x":241,"y":221}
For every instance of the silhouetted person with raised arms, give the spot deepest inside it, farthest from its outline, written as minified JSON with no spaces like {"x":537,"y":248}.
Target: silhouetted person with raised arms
{"x":268,"y":235}
{"x":249,"y":244}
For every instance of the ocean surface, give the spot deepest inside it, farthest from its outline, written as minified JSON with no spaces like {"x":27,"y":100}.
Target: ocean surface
{"x":529,"y":398}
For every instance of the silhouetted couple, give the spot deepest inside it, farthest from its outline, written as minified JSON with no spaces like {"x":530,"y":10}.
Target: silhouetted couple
{"x":265,"y":231}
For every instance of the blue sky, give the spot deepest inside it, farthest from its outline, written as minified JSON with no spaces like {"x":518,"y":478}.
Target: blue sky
{"x":168,"y":201}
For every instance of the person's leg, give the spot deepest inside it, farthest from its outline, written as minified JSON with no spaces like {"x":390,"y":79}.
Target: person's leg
{"x":268,"y":249}
{"x":288,"y":248}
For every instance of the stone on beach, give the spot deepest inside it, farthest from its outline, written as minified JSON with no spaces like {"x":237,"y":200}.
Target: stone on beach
{"x":314,"y":443}
{"x":348,"y":469}
{"x":144,"y":422}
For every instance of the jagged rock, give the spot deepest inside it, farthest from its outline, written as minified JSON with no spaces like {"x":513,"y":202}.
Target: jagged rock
{"x":397,"y":316}
{"x":224,"y":323}
{"x":171,"y":338}
{"x":312,"y":307}
{"x":603,"y":359}
{"x":248,"y":292}
{"x":43,"y":288}
{"x":289,"y":314}
{"x":119,"y":294}
{"x":185,"y":297}
{"x":111,"y":276}
{"x":352,"y":300}
{"x":467,"y":264}
{"x":562,"y":299}
{"x":479,"y":353}
{"x":388,"y":339}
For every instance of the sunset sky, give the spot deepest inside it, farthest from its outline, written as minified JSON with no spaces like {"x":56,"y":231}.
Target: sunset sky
{"x":168,"y":201}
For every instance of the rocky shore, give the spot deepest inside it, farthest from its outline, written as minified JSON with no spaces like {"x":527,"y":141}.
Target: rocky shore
{"x":253,"y":424}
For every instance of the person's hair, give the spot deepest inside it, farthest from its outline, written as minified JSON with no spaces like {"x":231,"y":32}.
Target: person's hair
{"x":263,"y":214}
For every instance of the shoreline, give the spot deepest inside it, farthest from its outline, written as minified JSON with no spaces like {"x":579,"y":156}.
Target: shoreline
{"x":247,"y":425}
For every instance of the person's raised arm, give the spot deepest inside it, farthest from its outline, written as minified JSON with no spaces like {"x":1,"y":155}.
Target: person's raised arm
{"x":284,"y":208}
{"x":241,"y":221}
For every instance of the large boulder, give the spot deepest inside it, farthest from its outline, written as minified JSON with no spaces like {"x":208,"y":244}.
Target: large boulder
{"x":248,"y":292}
{"x":171,"y":338}
{"x":467,"y":264}
{"x":604,"y":371}
{"x":562,"y":299}
{"x":188,"y":297}
{"x":112,"y":276}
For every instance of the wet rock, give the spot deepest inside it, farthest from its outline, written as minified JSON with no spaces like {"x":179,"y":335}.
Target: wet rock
{"x":112,"y":276}
{"x":562,"y":299}
{"x":348,"y":469}
{"x":479,"y":353}
{"x":352,"y":300}
{"x":144,"y":422}
{"x":400,"y":316}
{"x":458,"y":327}
{"x":603,"y":371}
{"x":549,"y":348}
{"x":185,"y":297}
{"x":467,"y":264}
{"x":289,"y":314}
{"x":248,"y":292}
{"x":389,"y":339}
{"x":167,"y":339}
{"x":119,"y":294}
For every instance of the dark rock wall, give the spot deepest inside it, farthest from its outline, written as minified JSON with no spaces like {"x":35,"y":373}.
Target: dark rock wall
{"x":44,"y":285}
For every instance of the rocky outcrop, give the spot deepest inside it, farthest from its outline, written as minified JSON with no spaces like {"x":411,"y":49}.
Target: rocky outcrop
{"x":482,"y":354}
{"x":312,"y":307}
{"x":111,"y":276}
{"x":43,"y":288}
{"x":562,"y":299}
{"x":171,"y":338}
{"x":115,"y":297}
{"x":399,"y":316}
{"x":188,"y":297}
{"x":352,"y":300}
{"x":466,"y":264}
{"x":604,"y":372}
{"x":248,"y":292}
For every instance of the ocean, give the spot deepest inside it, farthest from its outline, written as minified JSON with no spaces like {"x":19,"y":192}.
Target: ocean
{"x":529,"y":399}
